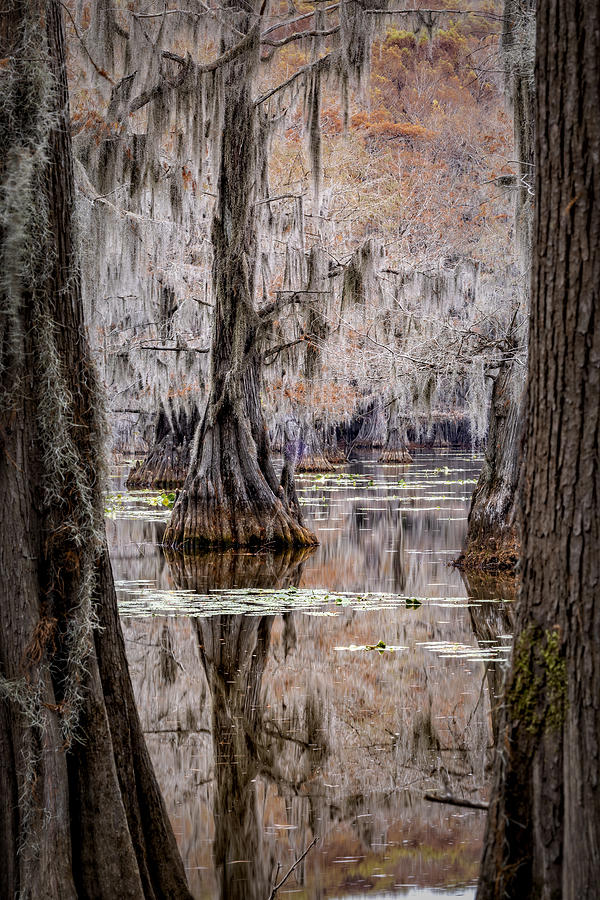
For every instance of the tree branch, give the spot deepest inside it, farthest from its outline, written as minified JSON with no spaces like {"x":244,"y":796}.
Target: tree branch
{"x":267,"y":312}
{"x":102,"y":72}
{"x":289,"y":22}
{"x":284,"y":84}
{"x":275,"y":351}
{"x":164,"y":86}
{"x":299,"y":36}
{"x":457,"y":801}
{"x":453,"y":12}
{"x":172,"y":349}
{"x":279,"y":884}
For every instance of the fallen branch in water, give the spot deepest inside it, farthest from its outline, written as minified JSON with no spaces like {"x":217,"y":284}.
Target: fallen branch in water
{"x":279,"y":884}
{"x":456,"y":801}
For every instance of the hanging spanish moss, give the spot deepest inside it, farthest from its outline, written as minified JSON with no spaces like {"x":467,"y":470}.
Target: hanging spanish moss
{"x":231,"y":494}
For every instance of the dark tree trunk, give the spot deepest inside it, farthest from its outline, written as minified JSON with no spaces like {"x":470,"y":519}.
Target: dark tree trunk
{"x":492,"y":544}
{"x":371,"y":428}
{"x":166,"y":464}
{"x":543,"y":833}
{"x":312,"y":456}
{"x":231,"y":494}
{"x":80,"y":810}
{"x":492,"y":539}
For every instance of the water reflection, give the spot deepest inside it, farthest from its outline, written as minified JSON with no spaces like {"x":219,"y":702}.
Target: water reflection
{"x":267,"y":730}
{"x":492,"y":623}
{"x":380,"y":527}
{"x":234,"y":651}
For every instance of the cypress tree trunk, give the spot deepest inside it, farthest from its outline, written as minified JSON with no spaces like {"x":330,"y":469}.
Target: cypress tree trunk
{"x":395,"y":450}
{"x":231,"y":494}
{"x":81,"y":814}
{"x":167,"y":462}
{"x":492,"y":544}
{"x":312,"y":457}
{"x":492,"y":538}
{"x":543,"y":832}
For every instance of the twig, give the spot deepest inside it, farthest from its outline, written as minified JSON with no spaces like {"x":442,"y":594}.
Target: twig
{"x":172,"y":349}
{"x":323,"y":61}
{"x":289,"y":22}
{"x":279,"y":884}
{"x":102,"y":72}
{"x":456,"y":801}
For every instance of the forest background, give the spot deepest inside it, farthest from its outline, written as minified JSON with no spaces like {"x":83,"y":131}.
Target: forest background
{"x":385,"y":220}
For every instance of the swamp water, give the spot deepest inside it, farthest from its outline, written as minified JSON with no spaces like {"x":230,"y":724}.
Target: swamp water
{"x":323,"y":693}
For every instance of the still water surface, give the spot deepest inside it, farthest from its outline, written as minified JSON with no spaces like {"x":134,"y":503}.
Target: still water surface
{"x":321,"y":694}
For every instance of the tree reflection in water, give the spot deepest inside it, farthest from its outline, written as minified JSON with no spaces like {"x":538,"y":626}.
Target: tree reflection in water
{"x":233,"y":650}
{"x":490,"y":622}
{"x":266,"y":730}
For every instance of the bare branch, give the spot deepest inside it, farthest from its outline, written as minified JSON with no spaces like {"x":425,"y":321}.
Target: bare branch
{"x":272,"y":353}
{"x":291,"y":869}
{"x":456,"y":801}
{"x":164,"y":86}
{"x":453,"y":12}
{"x":289,"y":22}
{"x":284,"y":84}
{"x":185,"y":349}
{"x":101,"y":72}
{"x":299,"y":36}
{"x":278,"y":197}
{"x":287,"y":298}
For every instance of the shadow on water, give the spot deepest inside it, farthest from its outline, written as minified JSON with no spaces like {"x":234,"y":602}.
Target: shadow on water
{"x":270,"y":727}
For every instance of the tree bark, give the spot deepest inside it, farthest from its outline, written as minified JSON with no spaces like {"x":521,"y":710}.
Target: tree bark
{"x":395,"y":450}
{"x":166,"y":464}
{"x":312,"y":454}
{"x":231,"y":495}
{"x":492,"y":542}
{"x":543,"y":832}
{"x":81,"y":814}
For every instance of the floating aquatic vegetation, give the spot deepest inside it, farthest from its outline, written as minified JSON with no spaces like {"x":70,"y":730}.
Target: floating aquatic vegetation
{"x":380,"y":646}
{"x":142,"y":598}
{"x":485,"y":651}
{"x":147,"y":505}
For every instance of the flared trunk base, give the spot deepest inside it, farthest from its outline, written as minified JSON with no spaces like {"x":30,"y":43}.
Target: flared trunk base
{"x":401,"y":455}
{"x":164,"y":467}
{"x":493,"y":552}
{"x":315,"y":462}
{"x":232,"y":498}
